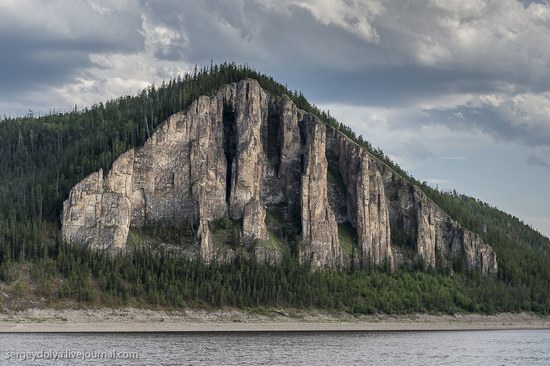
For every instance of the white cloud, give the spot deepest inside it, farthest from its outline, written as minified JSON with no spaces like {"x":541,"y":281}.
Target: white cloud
{"x":89,"y":20}
{"x":496,"y":36}
{"x":520,"y":117}
{"x":526,"y":110}
{"x":162,"y":39}
{"x":354,"y":16}
{"x":490,"y":35}
{"x":115,"y":75}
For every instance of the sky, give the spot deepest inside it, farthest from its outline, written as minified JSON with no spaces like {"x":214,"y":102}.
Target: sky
{"x":457,"y":92}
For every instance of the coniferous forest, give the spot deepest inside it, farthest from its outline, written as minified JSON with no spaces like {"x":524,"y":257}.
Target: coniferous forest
{"x":42,"y":157}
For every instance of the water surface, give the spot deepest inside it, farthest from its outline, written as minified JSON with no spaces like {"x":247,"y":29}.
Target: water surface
{"x":514,"y":347}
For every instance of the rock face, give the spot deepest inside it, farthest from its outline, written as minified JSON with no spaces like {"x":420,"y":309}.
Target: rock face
{"x":366,"y":205}
{"x":253,"y":159}
{"x":417,"y":222}
{"x":250,"y":106}
{"x":290,"y":168}
{"x":320,"y":244}
{"x":178,"y":176}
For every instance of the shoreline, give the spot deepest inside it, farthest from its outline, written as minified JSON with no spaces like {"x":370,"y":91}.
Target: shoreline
{"x":133,"y":320}
{"x":198,"y":328}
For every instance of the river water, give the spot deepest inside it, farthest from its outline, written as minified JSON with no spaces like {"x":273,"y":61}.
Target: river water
{"x":515,"y":347}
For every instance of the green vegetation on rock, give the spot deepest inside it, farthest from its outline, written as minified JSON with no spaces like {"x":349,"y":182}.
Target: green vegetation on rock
{"x":348,"y":238}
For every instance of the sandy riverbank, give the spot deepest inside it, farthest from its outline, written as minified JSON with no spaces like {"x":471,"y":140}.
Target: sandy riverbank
{"x":231,"y":320}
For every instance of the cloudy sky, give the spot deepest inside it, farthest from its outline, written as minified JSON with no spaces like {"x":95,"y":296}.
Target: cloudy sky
{"x":456,"y":91}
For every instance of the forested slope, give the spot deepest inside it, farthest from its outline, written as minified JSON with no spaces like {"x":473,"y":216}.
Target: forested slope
{"x":42,"y":158}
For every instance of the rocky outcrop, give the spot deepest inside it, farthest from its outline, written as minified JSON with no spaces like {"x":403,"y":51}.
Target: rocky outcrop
{"x":98,"y":210}
{"x":180,"y":175}
{"x":82,"y":212}
{"x":320,"y":245}
{"x":418,"y":223}
{"x":479,"y":256}
{"x":254,"y":222}
{"x":253,"y":160}
{"x":250,"y":106}
{"x":290,"y":169}
{"x":366,"y":205}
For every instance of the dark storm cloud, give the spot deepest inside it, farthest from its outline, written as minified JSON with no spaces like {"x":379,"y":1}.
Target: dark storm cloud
{"x":527,"y":2}
{"x":394,"y":86}
{"x":492,"y":121}
{"x":29,"y":63}
{"x":47,"y":45}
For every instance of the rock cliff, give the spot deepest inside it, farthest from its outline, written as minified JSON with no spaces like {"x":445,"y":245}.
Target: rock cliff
{"x":320,"y":244}
{"x":285,"y":179}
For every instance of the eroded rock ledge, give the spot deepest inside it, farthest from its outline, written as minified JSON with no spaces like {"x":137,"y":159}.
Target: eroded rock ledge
{"x":242,"y":154}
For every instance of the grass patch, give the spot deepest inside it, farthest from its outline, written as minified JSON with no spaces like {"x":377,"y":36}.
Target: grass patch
{"x":283,"y":229}
{"x":164,"y":231}
{"x":135,"y":238}
{"x":347,"y":235}
{"x":285,"y":234}
{"x":225,"y":232}
{"x":273,"y":242}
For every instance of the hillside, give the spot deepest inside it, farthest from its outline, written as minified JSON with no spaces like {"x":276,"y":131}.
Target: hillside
{"x":43,"y":158}
{"x":242,"y":155}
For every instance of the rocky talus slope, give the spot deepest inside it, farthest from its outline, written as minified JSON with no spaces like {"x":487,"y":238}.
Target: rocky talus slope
{"x":244,"y":155}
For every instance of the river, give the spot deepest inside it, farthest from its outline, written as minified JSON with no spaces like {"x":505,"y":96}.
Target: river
{"x":502,"y":347}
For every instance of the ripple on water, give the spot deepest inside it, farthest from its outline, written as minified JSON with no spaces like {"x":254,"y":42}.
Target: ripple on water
{"x":517,"y":347}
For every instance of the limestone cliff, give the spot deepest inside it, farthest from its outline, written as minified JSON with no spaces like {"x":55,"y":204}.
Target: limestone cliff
{"x":365,"y":203}
{"x":416,"y":221}
{"x":283,"y":177}
{"x":320,"y":244}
